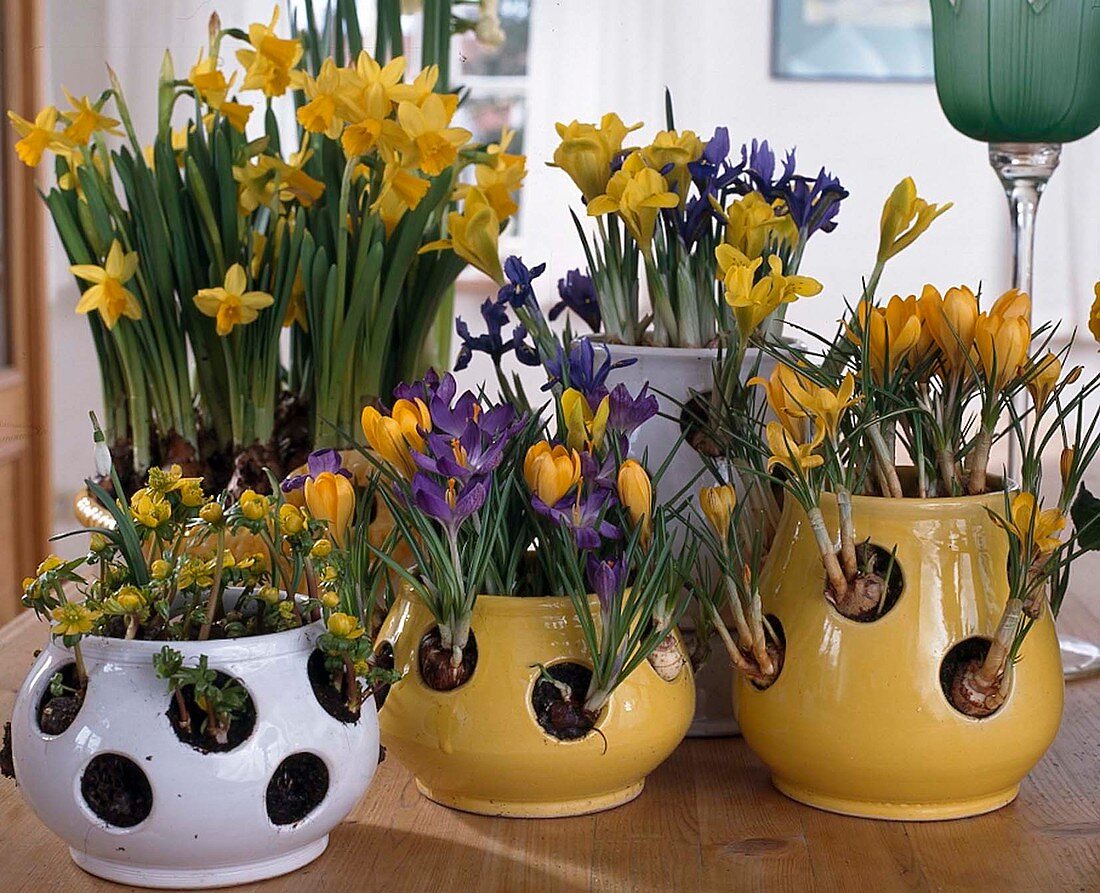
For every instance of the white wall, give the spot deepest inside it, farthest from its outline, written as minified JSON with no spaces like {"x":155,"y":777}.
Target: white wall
{"x":589,"y":57}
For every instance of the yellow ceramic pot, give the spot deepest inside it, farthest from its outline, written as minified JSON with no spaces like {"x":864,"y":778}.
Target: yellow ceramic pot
{"x":858,"y":721}
{"x":480,"y":748}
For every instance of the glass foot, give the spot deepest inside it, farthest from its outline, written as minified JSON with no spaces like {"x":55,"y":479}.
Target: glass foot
{"x":1080,"y":658}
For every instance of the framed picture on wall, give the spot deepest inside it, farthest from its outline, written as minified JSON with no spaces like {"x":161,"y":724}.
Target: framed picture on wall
{"x":861,"y":40}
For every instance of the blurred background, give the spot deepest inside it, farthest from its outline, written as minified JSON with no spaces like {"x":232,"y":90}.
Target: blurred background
{"x":846,"y":82}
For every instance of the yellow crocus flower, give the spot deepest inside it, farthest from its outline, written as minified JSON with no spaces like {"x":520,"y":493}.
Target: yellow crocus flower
{"x":230,"y":304}
{"x":718,"y":504}
{"x":1094,"y":313}
{"x":787,"y":394}
{"x":1042,"y":524}
{"x":331,"y":498}
{"x":1043,"y":379}
{"x":754,"y":301}
{"x":270,"y":60}
{"x":71,"y":619}
{"x":37,"y":136}
{"x":1001,"y":348}
{"x":551,"y":472}
{"x":1012,"y":303}
{"x":585,"y":428}
{"x":586,"y":152}
{"x":435,"y":143}
{"x":636,"y":192}
{"x":905,"y":216}
{"x":827,"y":406}
{"x":891,"y":333}
{"x":109,"y":295}
{"x":386,"y":438}
{"x":676,"y":149}
{"x":789,"y":452}
{"x":951,"y":320}
{"x":412,"y":418}
{"x":636,"y":495}
{"x":475,"y":233}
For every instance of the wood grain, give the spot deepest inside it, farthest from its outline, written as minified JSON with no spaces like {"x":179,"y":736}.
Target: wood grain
{"x":707,"y":821}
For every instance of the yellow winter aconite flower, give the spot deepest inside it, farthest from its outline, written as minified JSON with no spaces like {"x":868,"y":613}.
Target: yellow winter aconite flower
{"x":231,"y":305}
{"x":636,"y":494}
{"x":130,"y":600}
{"x":1042,"y":524}
{"x":269,"y":62}
{"x":904,"y":217}
{"x":585,"y":428}
{"x":790,"y":453}
{"x":290,"y":519}
{"x":586,"y":152}
{"x":149,"y":508}
{"x":551,"y":471}
{"x":160,"y":569}
{"x":1043,"y":379}
{"x":109,"y":295}
{"x":71,"y":619}
{"x":49,"y":563}
{"x":636,"y":192}
{"x":321,"y":549}
{"x":37,"y":136}
{"x":475,"y":233}
{"x":331,"y":498}
{"x":211,"y":513}
{"x":254,"y":506}
{"x":1001,"y":347}
{"x":344,"y":626}
{"x":435,"y":143}
{"x":718,"y":504}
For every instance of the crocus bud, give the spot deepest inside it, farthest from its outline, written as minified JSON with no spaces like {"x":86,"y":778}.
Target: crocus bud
{"x":718,"y":504}
{"x":1065,"y":465}
{"x":636,"y":495}
{"x":551,"y":472}
{"x":331,"y":497}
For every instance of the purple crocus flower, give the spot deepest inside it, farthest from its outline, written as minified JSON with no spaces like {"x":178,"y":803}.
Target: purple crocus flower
{"x":319,"y":461}
{"x":606,"y":576}
{"x":448,"y":504}
{"x":578,"y":293}
{"x":492,"y":342}
{"x":626,"y":413}
{"x":582,"y":515}
{"x":477,"y":451}
{"x":518,"y":291}
{"x":601,"y":475}
{"x":449,"y":415}
{"x":427,"y":387}
{"x":580,"y":371}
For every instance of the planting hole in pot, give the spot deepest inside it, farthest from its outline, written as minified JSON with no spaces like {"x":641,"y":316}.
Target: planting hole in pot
{"x":188,"y":723}
{"x":875,"y":589}
{"x":559,"y":704}
{"x":330,"y":695}
{"x":957,"y":679}
{"x":693,"y":425}
{"x":116,"y":790}
{"x":436,"y":667}
{"x":384,"y":660}
{"x":297,"y":788}
{"x":60,"y":702}
{"x":777,"y":651}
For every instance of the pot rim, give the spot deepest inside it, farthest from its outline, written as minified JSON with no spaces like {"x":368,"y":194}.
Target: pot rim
{"x":504,"y":605}
{"x":646,"y":350}
{"x":871,"y":503}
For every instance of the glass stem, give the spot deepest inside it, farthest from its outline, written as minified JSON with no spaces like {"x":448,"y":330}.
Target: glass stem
{"x":1023,"y":169}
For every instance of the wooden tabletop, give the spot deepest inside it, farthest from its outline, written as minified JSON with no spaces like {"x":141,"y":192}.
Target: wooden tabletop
{"x":707,"y":820}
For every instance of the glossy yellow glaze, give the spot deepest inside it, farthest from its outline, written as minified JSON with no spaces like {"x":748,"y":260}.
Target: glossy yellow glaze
{"x":479,"y":747}
{"x":858,"y":722}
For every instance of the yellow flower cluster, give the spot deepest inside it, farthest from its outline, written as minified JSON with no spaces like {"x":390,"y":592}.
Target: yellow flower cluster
{"x":753,"y":297}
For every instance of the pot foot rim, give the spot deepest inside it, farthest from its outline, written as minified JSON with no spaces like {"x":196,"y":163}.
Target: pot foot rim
{"x":932,"y":811}
{"x":714,"y":727}
{"x":199,"y":878}
{"x":533,"y":809}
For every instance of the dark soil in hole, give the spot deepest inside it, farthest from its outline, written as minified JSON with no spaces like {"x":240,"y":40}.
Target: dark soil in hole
{"x":330,"y":697}
{"x":693,"y":425}
{"x":564,"y":718}
{"x":292,"y":423}
{"x":777,"y":651}
{"x":239,"y":728}
{"x":7,"y":758}
{"x":383,"y":659}
{"x":297,"y":788}
{"x":249,"y":469}
{"x":870,"y":595}
{"x":56,"y":714}
{"x":435,"y":662}
{"x":963,"y":660}
{"x":116,"y":790}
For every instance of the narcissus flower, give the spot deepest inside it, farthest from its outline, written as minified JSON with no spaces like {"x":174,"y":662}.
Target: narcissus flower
{"x":209,"y":81}
{"x":331,"y":498}
{"x":325,"y":95}
{"x":475,"y":233}
{"x":551,"y":471}
{"x":435,"y":143}
{"x":344,"y":626}
{"x":230,"y":304}
{"x":636,"y":192}
{"x":270,"y":60}
{"x":904,"y":217}
{"x":786,"y":451}
{"x":109,"y":295}
{"x":718,"y":504}
{"x":72,"y":619}
{"x":37,"y":136}
{"x":401,"y":192}
{"x":636,"y":495}
{"x":586,"y":152}
{"x":85,"y":119}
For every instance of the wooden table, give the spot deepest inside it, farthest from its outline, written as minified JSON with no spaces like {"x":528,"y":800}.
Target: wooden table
{"x":708,"y":820}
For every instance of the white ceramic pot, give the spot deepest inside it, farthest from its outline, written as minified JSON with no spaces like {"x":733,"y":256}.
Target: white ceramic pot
{"x":209,"y":821}
{"x":674,"y":374}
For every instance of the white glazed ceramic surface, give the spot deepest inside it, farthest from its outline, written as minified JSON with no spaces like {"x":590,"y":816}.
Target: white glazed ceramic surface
{"x":674,"y":374}
{"x":209,"y":824}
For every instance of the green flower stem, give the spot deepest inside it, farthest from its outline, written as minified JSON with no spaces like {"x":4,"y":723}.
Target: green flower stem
{"x":215,"y":588}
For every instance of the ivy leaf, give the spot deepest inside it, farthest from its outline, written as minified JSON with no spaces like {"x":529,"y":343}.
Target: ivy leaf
{"x":1086,"y":519}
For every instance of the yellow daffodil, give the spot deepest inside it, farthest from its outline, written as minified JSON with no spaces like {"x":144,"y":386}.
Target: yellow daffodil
{"x":636,"y":192}
{"x":585,"y":428}
{"x":826,"y":406}
{"x":674,"y":150}
{"x":85,"y":119}
{"x":254,"y":506}
{"x":293,"y":183}
{"x":718,"y":504}
{"x":236,"y":113}
{"x":388,"y":76}
{"x":371,"y":127}
{"x":401,"y":191}
{"x":951,"y":320}
{"x":435,"y":143}
{"x":785,"y":450}
{"x":551,"y":472}
{"x":1043,"y":379}
{"x":149,"y":508}
{"x":1012,"y":303}
{"x":1001,"y":346}
{"x":71,"y":619}
{"x":344,"y":626}
{"x":752,"y":225}
{"x":256,"y":185}
{"x":636,"y":495}
{"x":290,"y":519}
{"x":37,"y":136}
{"x":787,"y":394}
{"x":475,"y":234}
{"x":1042,"y":525}
{"x":904,"y":217}
{"x":331,"y":498}
{"x":586,"y":152}
{"x":325,"y":95}
{"x":269,"y":62}
{"x":422,"y":86}
{"x":109,"y":295}
{"x":296,"y":311}
{"x":501,"y":179}
{"x":209,"y":81}
{"x":891,"y":333}
{"x":231,"y":305}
